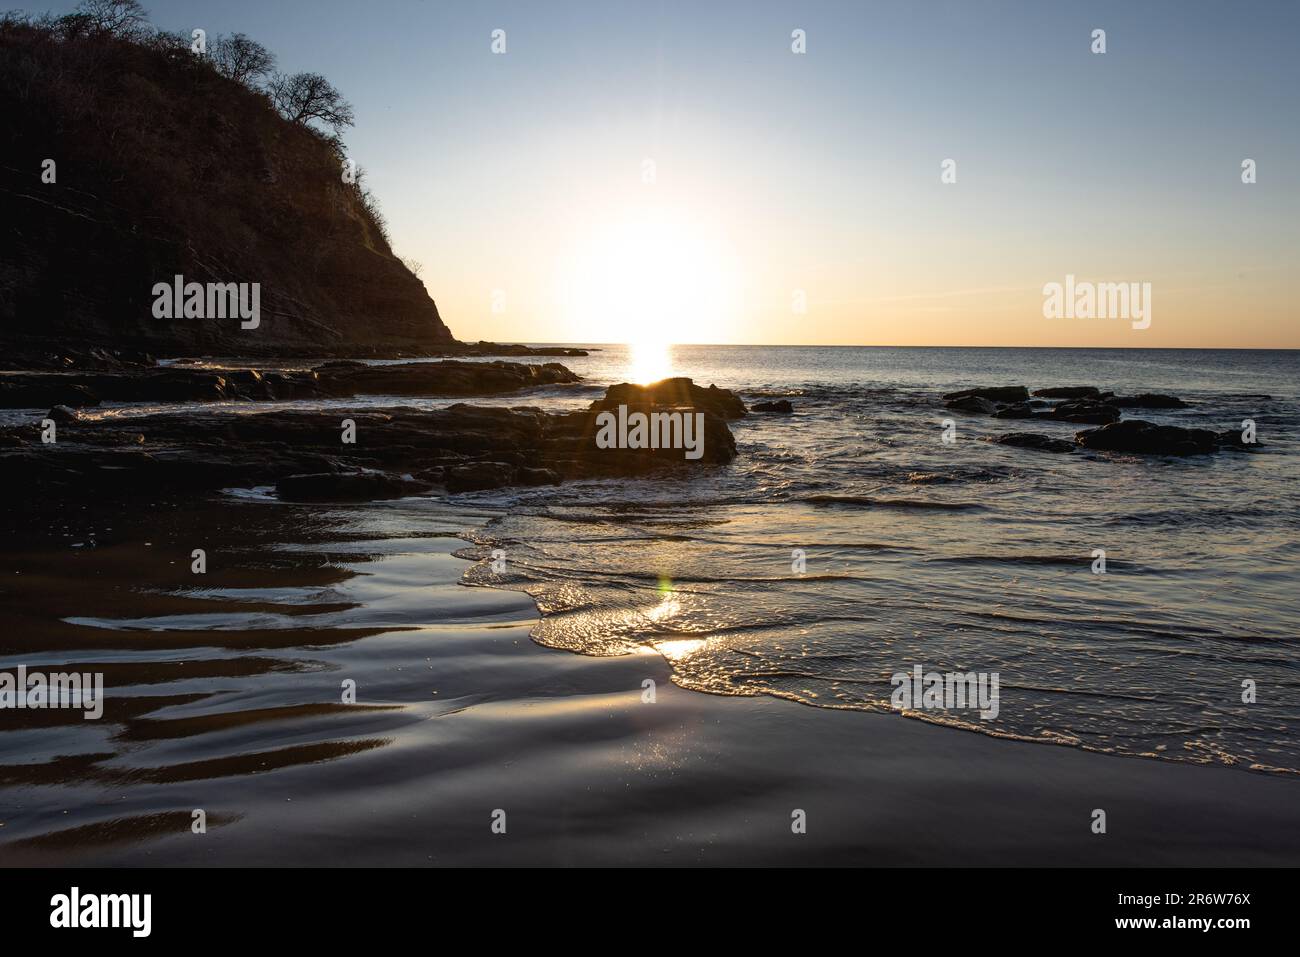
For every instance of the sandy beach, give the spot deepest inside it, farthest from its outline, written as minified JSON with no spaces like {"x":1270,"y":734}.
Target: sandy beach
{"x":459,"y":714}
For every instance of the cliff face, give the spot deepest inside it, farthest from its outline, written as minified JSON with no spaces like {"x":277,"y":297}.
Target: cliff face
{"x":164,"y":167}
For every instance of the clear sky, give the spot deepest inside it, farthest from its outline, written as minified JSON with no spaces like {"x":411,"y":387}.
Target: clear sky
{"x":518,"y":180}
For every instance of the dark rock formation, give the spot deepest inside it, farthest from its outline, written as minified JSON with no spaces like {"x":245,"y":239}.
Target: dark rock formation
{"x":1087,"y":411}
{"x":480,"y":475}
{"x":779,"y":406}
{"x":1021,"y":410}
{"x":1068,"y":392}
{"x":165,"y":167}
{"x":1135,"y":435}
{"x":1009,"y":393}
{"x":1231,"y":439}
{"x":484,"y":348}
{"x":972,"y":403}
{"x":1032,"y":440}
{"x":62,"y":415}
{"x":360,"y":486}
{"x":397,"y":451}
{"x":677,"y":392}
{"x":31,"y":390}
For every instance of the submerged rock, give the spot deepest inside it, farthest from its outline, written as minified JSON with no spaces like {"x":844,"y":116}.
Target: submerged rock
{"x":1021,"y":410}
{"x":1146,"y":438}
{"x":347,"y":486}
{"x":63,"y":415}
{"x":1087,"y":411}
{"x":972,"y":403}
{"x":781,"y":406}
{"x":1232,"y":439}
{"x":1032,"y":440}
{"x":1068,"y":392}
{"x":477,"y":476}
{"x":1008,"y":393}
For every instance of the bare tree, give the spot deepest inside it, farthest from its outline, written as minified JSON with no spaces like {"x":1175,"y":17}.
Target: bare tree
{"x":242,"y":59}
{"x":124,"y":18}
{"x":303,"y":97}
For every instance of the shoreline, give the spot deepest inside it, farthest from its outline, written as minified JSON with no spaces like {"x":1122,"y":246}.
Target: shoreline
{"x":587,"y":772}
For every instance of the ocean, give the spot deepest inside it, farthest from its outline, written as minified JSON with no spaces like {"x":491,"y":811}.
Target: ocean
{"x":957,"y":557}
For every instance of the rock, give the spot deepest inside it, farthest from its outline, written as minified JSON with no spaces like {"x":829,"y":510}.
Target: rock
{"x":340,"y":379}
{"x":42,"y":390}
{"x":346,"y":486}
{"x":466,"y":447}
{"x":479,"y":475}
{"x":532,"y":476}
{"x":973,"y":404}
{"x":1068,"y":392}
{"x":1032,"y":440}
{"x":1009,"y":393}
{"x":1148,"y":400}
{"x":484,"y":348}
{"x":1021,"y":410}
{"x":1087,"y":411}
{"x":781,"y":406}
{"x":450,"y":377}
{"x":678,"y":392}
{"x":63,"y":415}
{"x":1231,"y":439}
{"x":1146,"y":438}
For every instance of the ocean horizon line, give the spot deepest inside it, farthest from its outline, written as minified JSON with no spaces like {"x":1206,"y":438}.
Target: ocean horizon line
{"x":813,"y":345}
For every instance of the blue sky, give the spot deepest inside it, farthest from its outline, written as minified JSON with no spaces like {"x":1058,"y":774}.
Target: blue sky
{"x":820,"y":172}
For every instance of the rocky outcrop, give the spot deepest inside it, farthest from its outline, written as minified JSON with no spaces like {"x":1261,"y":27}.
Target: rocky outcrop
{"x":33,"y":390}
{"x":396,"y":451}
{"x":1080,"y":404}
{"x":974,"y":404}
{"x":360,"y":486}
{"x":679,"y":392}
{"x":1020,"y":410}
{"x":1087,"y":411}
{"x":164,"y":168}
{"x":777,"y":407}
{"x":1068,"y":392}
{"x":1032,"y":440}
{"x":1146,"y":438}
{"x":1009,"y":393}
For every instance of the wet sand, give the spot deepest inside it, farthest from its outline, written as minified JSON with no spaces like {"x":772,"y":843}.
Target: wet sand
{"x":224,"y":694}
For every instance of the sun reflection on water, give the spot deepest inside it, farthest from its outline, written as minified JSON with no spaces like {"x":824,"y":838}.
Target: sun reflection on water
{"x":649,"y":360}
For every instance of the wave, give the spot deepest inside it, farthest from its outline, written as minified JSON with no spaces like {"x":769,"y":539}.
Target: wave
{"x":867,"y":501}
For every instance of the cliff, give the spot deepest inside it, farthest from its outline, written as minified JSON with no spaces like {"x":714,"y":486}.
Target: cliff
{"x":163,"y":166}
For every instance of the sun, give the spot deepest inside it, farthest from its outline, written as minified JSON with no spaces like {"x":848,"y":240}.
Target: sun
{"x":652,"y":280}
